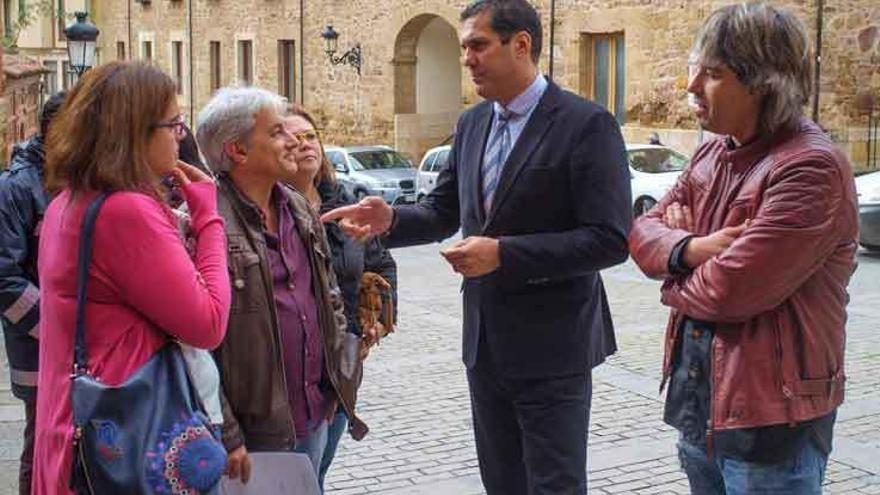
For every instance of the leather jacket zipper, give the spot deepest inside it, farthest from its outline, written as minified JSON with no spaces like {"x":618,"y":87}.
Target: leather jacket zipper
{"x":786,"y":391}
{"x":667,"y":353}
{"x":712,"y":391}
{"x":77,"y":438}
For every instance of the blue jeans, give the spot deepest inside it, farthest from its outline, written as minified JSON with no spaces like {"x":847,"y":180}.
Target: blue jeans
{"x":314,"y":444}
{"x":802,"y":474}
{"x":334,"y":434}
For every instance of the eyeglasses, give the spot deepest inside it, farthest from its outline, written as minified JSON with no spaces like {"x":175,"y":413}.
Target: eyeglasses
{"x":177,"y":125}
{"x":311,"y":136}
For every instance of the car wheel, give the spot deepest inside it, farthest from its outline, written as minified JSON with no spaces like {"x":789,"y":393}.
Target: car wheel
{"x":643,"y":205}
{"x":420,"y":198}
{"x":360,"y":194}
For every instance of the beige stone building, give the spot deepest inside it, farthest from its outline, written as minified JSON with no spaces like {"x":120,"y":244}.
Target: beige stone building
{"x":628,"y":54}
{"x":41,"y":36}
{"x":35,"y":64}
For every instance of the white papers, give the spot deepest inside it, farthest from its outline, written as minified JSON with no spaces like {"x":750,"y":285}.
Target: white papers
{"x":281,"y":473}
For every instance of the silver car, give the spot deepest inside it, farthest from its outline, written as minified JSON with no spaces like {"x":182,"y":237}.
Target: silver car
{"x":868,"y":188}
{"x":374,"y":171}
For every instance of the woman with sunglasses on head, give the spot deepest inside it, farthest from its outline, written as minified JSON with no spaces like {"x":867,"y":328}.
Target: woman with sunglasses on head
{"x":316,"y":180}
{"x":118,"y":133}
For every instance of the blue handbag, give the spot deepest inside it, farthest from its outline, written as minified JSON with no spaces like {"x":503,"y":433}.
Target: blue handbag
{"x":147,"y":435}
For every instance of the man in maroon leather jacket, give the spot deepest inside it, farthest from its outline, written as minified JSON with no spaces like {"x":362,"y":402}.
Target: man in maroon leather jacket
{"x":755,"y":244}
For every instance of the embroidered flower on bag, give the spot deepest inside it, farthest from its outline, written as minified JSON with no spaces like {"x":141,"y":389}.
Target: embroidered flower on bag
{"x":106,"y":435}
{"x":187,"y":460}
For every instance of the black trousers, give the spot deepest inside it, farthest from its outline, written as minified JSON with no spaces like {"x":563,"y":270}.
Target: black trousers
{"x":27,"y":452}
{"x":531,"y":434}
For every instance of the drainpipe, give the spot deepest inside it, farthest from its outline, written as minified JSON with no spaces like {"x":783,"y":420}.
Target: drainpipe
{"x":128,"y":3}
{"x":192,"y":94}
{"x":818,"y":61}
{"x":552,"y":33}
{"x":302,"y":53}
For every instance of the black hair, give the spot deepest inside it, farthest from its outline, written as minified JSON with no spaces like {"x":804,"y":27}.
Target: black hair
{"x":50,"y":109}
{"x":508,"y":18}
{"x":188,"y":150}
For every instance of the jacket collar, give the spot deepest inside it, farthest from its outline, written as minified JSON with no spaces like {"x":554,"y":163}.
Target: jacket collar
{"x":523,"y":104}
{"x":30,"y":153}
{"x":247,"y":208}
{"x":332,"y":196}
{"x":297,"y":204}
{"x":745,"y":156}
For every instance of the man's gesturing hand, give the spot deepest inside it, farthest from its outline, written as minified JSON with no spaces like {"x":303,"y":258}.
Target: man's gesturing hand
{"x":370,"y":216}
{"x":474,"y":256}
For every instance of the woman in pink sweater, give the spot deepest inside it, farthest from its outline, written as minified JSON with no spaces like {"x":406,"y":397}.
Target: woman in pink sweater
{"x":119,"y":131}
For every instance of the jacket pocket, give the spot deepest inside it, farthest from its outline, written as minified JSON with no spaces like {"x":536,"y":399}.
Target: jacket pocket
{"x":246,"y":277}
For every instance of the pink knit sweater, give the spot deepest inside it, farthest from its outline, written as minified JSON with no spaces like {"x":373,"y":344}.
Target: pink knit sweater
{"x":143,"y":289}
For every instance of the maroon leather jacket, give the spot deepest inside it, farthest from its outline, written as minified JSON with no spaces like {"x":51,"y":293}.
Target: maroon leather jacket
{"x":778,"y":294}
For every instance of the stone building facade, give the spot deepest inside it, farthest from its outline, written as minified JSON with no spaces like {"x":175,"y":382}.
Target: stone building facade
{"x":41,"y":37}
{"x":630,"y":54}
{"x":22,"y":101}
{"x":35,"y":64}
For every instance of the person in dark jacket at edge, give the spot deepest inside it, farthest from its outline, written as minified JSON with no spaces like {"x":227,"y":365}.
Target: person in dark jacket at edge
{"x":23,"y":200}
{"x":187,"y":152}
{"x":755,"y":244}
{"x":316,"y":180}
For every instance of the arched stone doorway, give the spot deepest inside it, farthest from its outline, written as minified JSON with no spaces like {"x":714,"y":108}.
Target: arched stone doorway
{"x":427,"y":84}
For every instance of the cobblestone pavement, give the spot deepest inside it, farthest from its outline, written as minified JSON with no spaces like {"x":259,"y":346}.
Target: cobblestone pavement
{"x":415,"y":397}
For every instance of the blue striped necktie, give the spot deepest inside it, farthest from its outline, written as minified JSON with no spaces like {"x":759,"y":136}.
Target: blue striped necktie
{"x":498,"y":149}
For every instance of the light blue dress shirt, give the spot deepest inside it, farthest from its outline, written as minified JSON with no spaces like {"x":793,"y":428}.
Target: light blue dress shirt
{"x":520,"y":109}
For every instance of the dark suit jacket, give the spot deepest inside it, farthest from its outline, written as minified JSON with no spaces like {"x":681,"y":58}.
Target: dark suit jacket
{"x":561,"y":212}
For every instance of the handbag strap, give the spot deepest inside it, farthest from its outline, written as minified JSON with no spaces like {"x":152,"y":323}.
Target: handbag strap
{"x":84,"y":260}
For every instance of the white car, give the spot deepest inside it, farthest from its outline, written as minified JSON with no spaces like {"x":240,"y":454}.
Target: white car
{"x":868,"y":189}
{"x":433,"y":161}
{"x":653,"y":168}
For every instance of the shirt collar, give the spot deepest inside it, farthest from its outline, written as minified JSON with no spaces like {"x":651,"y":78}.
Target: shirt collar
{"x":525,"y":101}
{"x":748,"y":154}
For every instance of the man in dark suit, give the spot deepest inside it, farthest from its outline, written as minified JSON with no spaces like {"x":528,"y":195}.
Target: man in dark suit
{"x":537,"y":180}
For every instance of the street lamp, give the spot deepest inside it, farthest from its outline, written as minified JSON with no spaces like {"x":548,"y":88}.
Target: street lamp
{"x":81,"y":36}
{"x":352,"y":57}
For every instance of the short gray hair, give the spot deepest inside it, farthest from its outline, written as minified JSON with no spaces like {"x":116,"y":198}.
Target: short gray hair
{"x":229,"y":118}
{"x":767,"y":48}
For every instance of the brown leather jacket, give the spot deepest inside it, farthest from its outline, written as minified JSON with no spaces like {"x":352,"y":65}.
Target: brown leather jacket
{"x":778,"y":293}
{"x":256,"y":410}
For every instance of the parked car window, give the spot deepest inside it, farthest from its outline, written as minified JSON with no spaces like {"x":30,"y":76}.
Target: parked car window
{"x":428,"y":166}
{"x":657,"y":160}
{"x":440,"y":162}
{"x":377,"y":159}
{"x":337,"y":158}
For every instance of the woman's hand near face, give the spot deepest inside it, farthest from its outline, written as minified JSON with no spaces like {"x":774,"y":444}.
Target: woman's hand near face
{"x":185,"y":173}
